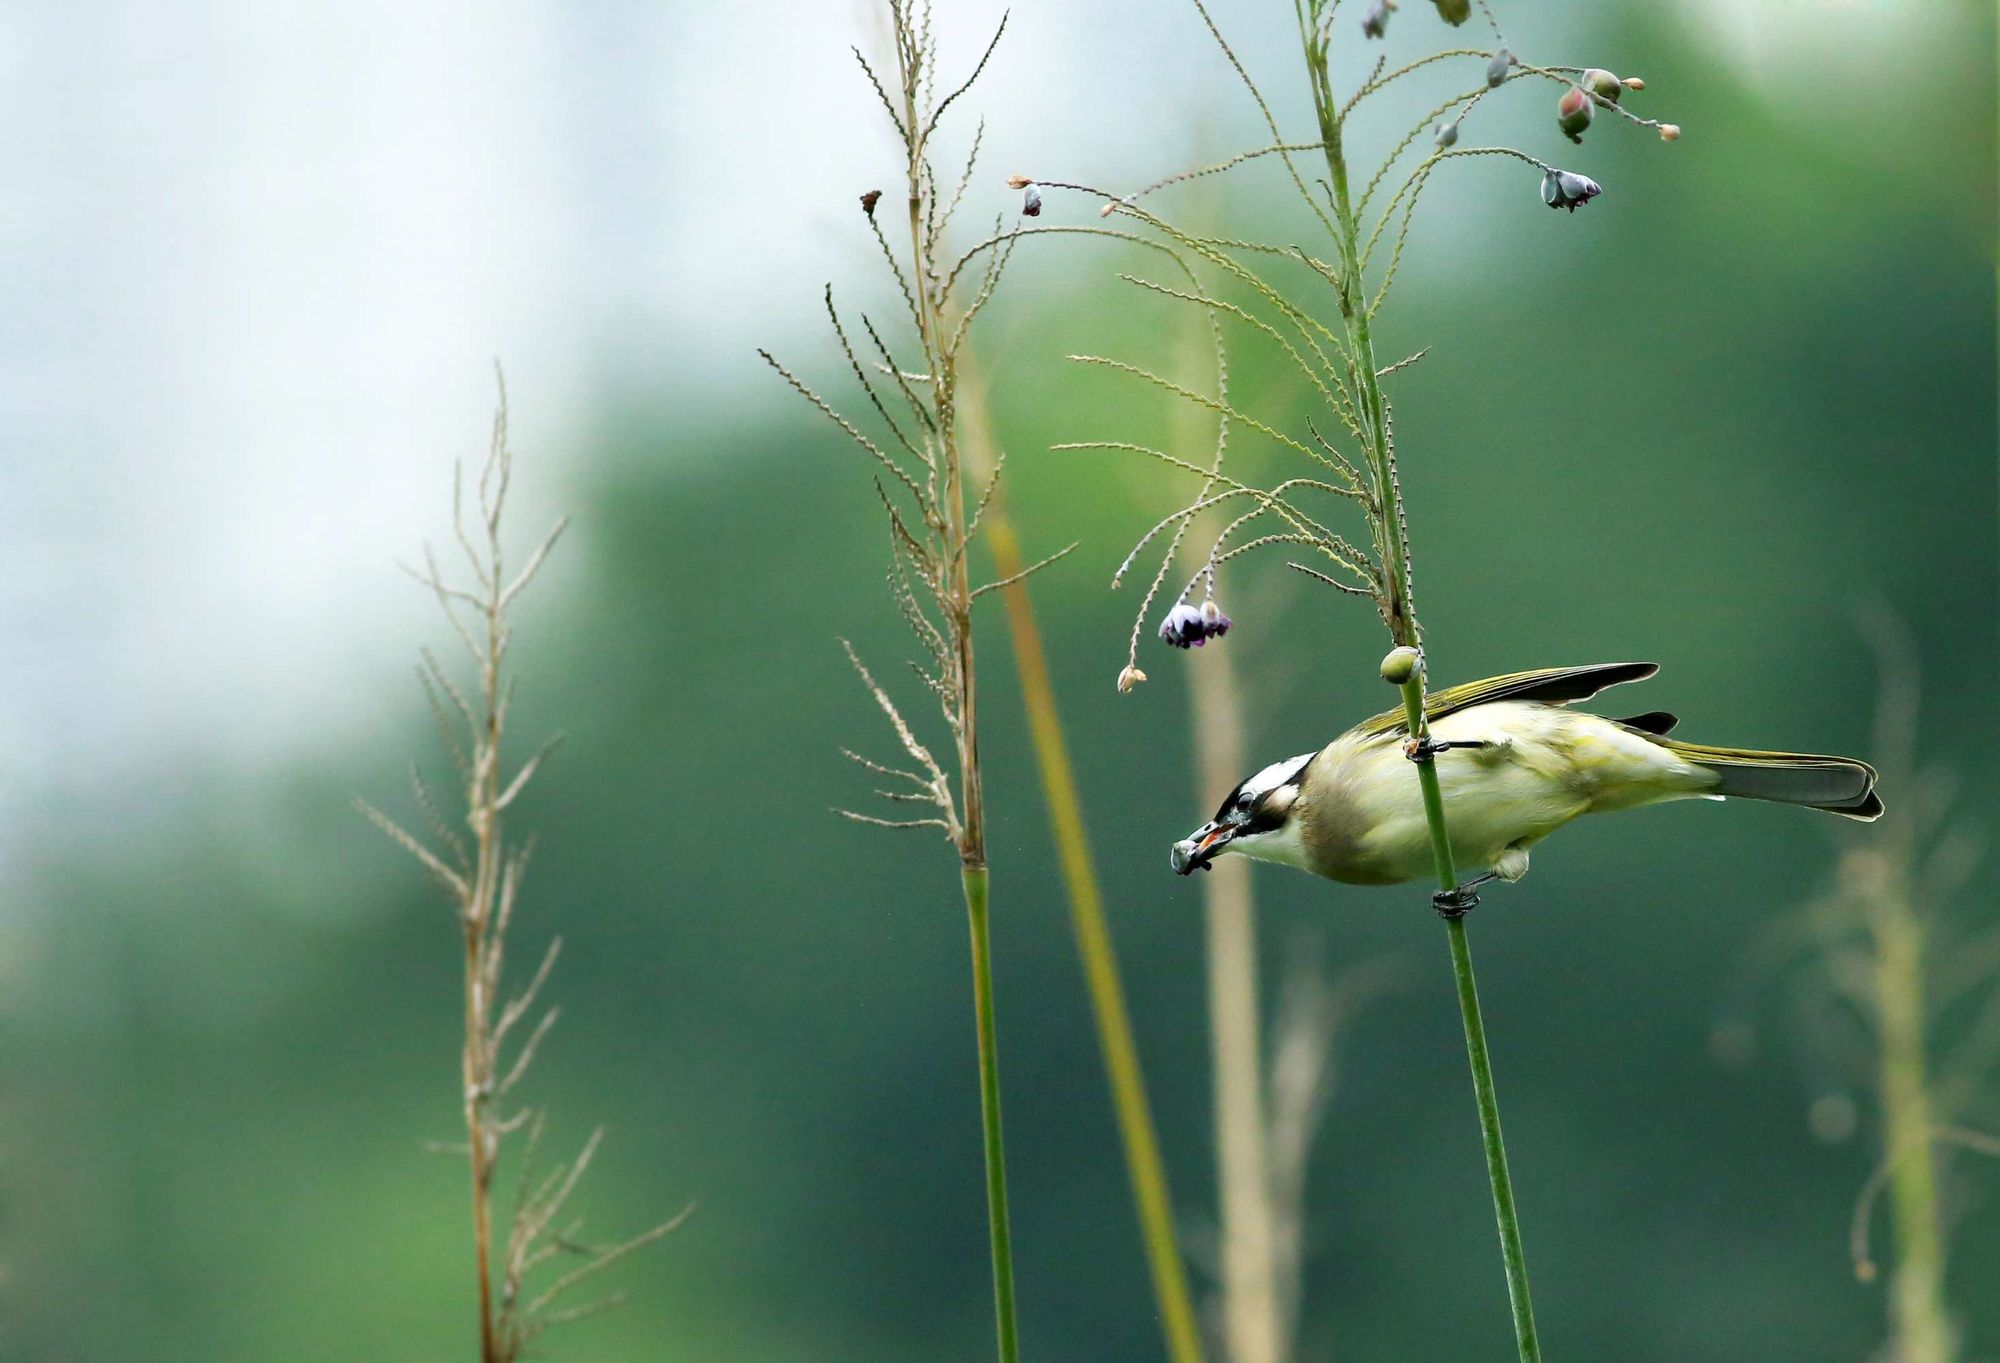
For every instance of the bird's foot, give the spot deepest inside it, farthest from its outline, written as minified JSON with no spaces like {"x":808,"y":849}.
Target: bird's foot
{"x":1460,"y":899}
{"x":1455,"y":903}
{"x":1425,"y":748}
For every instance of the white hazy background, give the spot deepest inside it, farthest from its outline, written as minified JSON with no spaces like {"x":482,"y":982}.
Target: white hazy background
{"x":261,"y":257}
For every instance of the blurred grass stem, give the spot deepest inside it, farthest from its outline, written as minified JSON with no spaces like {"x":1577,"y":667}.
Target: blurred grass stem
{"x":1253,"y":1316}
{"x":1921,"y":1327}
{"x":1093,"y":935}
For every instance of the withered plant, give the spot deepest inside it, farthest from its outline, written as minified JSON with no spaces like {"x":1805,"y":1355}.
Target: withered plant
{"x":527,"y":1279}
{"x":1896,"y":1001}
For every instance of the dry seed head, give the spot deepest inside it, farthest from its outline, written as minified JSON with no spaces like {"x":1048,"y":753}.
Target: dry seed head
{"x":1129,"y":678}
{"x":1634,"y":83}
{"x":1670,"y":132}
{"x":869,"y":200}
{"x":1018,"y":182}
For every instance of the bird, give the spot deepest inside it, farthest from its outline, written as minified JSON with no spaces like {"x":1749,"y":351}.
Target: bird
{"x":1514,"y":763}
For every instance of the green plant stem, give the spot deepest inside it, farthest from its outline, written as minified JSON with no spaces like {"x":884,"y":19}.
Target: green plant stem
{"x":974,"y":878}
{"x":1504,"y":1214}
{"x":1400,"y":615}
{"x":1100,"y":960}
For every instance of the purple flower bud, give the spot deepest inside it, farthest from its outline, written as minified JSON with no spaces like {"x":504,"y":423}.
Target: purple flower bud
{"x":1031,"y":200}
{"x":1566,"y":189}
{"x":1375,"y":23}
{"x":1192,"y":626}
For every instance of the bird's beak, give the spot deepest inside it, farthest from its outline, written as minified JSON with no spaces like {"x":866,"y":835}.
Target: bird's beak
{"x":1195,"y":853}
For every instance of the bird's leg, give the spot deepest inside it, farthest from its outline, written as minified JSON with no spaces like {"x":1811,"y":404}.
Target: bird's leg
{"x":1458,"y":902}
{"x":1425,"y":748}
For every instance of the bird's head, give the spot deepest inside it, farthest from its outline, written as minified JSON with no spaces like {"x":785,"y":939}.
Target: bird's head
{"x":1255,"y":819}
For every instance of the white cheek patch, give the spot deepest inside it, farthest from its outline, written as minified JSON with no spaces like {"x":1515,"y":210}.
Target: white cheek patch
{"x":1282,"y":845}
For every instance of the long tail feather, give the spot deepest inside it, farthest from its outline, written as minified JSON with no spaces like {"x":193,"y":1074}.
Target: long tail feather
{"x":1838,"y":785}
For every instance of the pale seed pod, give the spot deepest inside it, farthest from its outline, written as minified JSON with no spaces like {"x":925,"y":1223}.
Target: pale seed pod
{"x":1497,"y":68}
{"x":1567,"y":189}
{"x":1603,"y":84}
{"x":1400,"y":664}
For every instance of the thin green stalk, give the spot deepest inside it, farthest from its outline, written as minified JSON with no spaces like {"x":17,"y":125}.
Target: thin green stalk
{"x":1400,"y":615}
{"x":1496,"y":1150}
{"x":975,"y":881}
{"x":1504,"y":1213}
{"x":1100,"y":960}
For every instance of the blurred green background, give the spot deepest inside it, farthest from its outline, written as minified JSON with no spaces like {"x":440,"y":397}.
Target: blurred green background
{"x":1702,"y":421}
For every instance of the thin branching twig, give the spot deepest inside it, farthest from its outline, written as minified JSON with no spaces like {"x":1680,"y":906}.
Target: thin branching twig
{"x":482,"y":881}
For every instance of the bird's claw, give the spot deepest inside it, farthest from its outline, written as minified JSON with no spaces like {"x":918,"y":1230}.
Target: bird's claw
{"x":1456,"y":902}
{"x":1426,"y":748}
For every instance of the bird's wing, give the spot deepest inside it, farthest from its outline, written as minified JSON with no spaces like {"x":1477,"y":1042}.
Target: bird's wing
{"x":1549,"y":685}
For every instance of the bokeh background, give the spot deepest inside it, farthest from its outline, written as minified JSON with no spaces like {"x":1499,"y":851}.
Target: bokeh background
{"x":259,"y":259}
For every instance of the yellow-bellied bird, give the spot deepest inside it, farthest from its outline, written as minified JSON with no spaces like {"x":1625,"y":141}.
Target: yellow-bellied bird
{"x":1514,"y":765}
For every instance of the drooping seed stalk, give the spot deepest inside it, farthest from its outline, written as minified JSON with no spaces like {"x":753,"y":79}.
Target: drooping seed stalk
{"x":1400,"y":615}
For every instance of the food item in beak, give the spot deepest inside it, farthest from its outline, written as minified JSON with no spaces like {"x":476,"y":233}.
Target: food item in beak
{"x":1194,"y":854}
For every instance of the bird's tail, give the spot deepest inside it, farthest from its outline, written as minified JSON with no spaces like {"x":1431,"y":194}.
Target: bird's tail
{"x":1839,"y":785}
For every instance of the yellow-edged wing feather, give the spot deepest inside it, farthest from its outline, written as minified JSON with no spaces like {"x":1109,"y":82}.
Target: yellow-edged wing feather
{"x":1549,"y":685}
